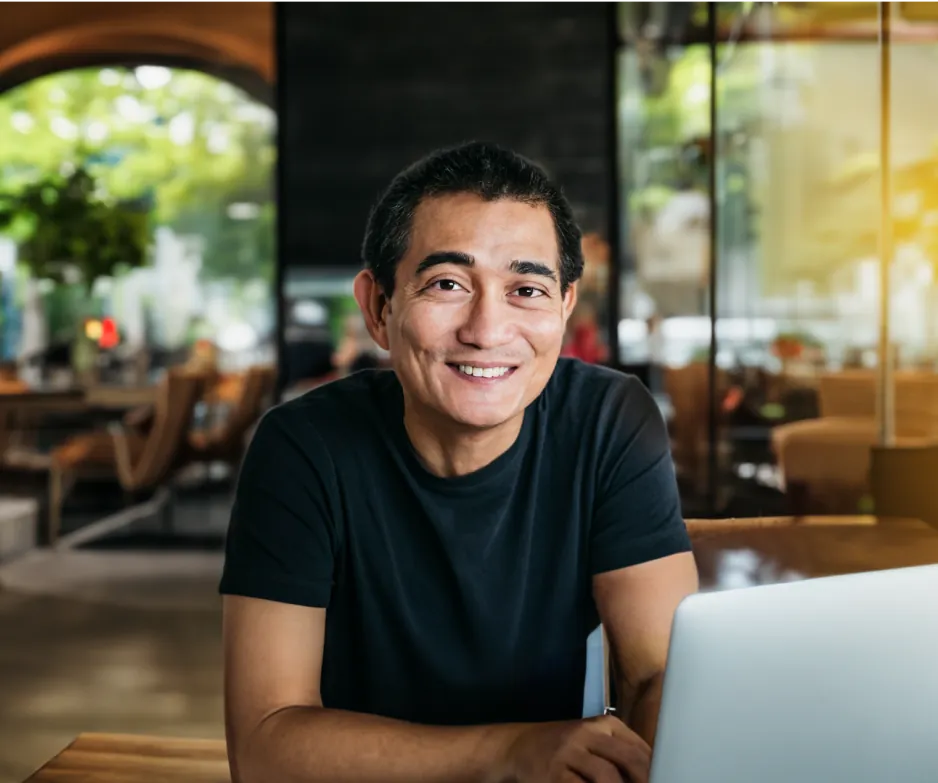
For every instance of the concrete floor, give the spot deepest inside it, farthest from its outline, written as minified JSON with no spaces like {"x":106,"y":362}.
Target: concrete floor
{"x":78,"y":663}
{"x":112,"y":640}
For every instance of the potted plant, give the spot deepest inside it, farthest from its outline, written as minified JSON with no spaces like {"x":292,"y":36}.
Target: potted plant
{"x":70,"y":233}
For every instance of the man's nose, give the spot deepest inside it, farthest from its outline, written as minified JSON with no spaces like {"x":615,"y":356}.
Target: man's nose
{"x":490,"y":321}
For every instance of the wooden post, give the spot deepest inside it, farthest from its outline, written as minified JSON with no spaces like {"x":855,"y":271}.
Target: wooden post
{"x":885,"y":406}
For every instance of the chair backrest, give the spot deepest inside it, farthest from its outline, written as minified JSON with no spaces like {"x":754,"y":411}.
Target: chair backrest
{"x":852,"y":394}
{"x":848,"y":394}
{"x":255,"y":396}
{"x":179,"y":392}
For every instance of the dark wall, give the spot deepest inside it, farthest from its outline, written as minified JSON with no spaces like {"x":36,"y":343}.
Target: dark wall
{"x":366,"y":89}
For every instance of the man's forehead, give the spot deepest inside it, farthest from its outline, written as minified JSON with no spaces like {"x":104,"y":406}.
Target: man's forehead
{"x":465,"y":223}
{"x":462,"y":205}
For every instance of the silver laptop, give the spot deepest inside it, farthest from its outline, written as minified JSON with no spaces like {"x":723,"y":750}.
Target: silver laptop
{"x":831,"y":680}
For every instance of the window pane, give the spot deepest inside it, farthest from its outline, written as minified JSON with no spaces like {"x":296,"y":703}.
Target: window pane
{"x":795,"y":155}
{"x":798,"y":243}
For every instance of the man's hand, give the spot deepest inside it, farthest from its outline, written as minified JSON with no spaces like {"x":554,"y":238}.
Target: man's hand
{"x":595,"y":750}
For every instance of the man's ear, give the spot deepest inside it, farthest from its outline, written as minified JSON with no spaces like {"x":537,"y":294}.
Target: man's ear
{"x":569,"y":301}
{"x":374,"y":306}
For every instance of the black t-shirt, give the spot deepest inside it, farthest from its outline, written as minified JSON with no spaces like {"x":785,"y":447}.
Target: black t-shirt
{"x":461,"y":600}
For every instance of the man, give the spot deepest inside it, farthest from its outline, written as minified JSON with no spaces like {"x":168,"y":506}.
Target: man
{"x":416,"y":557}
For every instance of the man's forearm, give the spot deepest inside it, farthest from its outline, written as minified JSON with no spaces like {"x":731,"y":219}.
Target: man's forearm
{"x":643,"y":717}
{"x":310,"y":744}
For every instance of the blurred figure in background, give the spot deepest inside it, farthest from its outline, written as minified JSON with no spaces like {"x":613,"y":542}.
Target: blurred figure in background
{"x":584,"y":340}
{"x":356,"y":350}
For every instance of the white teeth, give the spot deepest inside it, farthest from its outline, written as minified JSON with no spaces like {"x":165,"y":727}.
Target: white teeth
{"x":483,"y":372}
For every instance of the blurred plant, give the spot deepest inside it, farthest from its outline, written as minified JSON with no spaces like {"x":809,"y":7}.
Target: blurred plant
{"x":67,"y":232}
{"x":192,"y":145}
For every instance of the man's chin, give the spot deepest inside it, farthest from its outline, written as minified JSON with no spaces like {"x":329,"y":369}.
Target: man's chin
{"x":478,"y":417}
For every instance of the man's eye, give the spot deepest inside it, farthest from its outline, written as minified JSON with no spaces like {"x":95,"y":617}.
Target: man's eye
{"x":446,"y":285}
{"x":529,"y":292}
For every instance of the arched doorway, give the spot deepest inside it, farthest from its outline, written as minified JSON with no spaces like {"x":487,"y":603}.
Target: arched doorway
{"x":187,"y":154}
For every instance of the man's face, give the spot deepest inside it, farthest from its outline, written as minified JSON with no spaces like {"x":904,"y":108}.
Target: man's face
{"x":477,"y":319}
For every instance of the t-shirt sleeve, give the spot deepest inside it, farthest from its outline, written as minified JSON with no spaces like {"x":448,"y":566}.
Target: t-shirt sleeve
{"x":282,"y":537}
{"x":637,"y":514}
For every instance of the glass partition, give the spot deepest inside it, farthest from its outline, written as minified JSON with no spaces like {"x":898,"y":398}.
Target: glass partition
{"x":751,"y":137}
{"x":797,"y":248}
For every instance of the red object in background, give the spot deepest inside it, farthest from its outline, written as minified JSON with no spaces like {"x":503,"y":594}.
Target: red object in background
{"x":585,"y":344}
{"x":734,"y":397}
{"x":109,"y":337}
{"x":787,"y":348}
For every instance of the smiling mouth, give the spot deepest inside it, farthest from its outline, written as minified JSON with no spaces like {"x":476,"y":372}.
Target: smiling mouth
{"x":474,"y":372}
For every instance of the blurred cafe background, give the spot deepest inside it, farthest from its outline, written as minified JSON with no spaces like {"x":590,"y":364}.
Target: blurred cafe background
{"x":183,"y":192}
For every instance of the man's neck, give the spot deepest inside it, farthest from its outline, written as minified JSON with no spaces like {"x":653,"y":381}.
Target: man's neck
{"x":448,"y":450}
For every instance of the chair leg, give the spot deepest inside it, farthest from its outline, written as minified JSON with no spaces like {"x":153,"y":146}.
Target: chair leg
{"x":167,"y":510}
{"x":60,"y":484}
{"x":56,"y":497}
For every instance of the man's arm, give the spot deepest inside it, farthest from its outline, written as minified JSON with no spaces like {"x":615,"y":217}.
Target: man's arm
{"x":636,"y":605}
{"x":277,"y":728}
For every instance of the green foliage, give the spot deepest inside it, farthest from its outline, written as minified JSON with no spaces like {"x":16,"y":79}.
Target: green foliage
{"x":183,"y":141}
{"x":68,"y":232}
{"x":800,"y":337}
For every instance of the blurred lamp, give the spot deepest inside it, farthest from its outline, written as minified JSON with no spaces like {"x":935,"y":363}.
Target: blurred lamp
{"x":93,"y":329}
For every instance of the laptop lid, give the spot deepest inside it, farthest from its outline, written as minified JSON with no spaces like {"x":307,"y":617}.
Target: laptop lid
{"x":832,"y":679}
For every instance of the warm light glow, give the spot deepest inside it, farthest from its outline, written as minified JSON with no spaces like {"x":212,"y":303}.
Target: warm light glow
{"x":919,"y":10}
{"x":93,"y":329}
{"x":102,"y":331}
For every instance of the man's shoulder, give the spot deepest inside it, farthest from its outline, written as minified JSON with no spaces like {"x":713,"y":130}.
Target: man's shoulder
{"x":578,"y":387}
{"x":349,"y":395}
{"x":335,"y":410}
{"x":600,"y":404}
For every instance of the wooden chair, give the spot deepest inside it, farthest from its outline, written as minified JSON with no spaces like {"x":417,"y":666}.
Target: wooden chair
{"x":226,"y":442}
{"x":826,"y":462}
{"x":142,"y":453}
{"x":688,"y":388}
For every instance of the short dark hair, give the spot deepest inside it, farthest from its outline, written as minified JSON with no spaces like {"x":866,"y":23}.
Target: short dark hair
{"x":484,"y":169}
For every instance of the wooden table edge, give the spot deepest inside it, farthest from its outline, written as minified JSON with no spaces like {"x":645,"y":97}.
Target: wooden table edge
{"x":215,"y":747}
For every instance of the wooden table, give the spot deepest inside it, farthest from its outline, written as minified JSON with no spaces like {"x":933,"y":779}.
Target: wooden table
{"x":744,"y":552}
{"x":120,"y":758}
{"x":729,"y":553}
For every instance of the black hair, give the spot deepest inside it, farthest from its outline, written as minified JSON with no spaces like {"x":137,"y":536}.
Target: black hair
{"x":484,"y":169}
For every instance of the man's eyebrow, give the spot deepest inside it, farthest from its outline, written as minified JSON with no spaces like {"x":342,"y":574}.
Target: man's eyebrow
{"x":533,"y":268}
{"x":464,"y":259}
{"x":445,"y":257}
